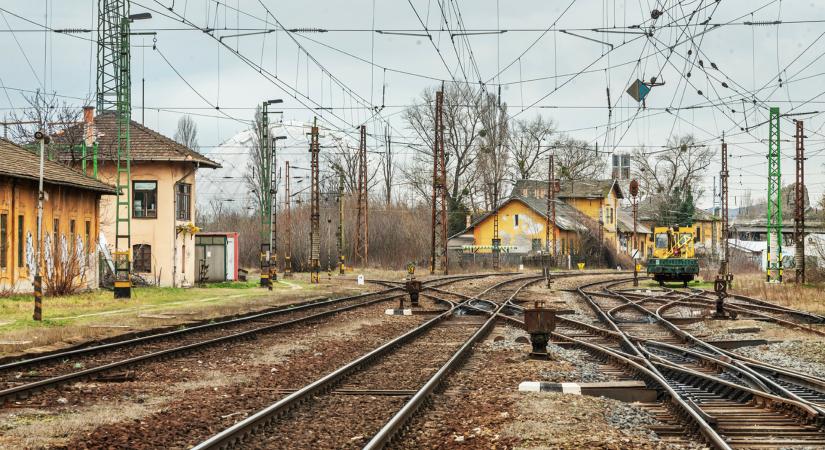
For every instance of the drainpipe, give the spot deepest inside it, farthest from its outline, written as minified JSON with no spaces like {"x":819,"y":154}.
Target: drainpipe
{"x":175,"y":223}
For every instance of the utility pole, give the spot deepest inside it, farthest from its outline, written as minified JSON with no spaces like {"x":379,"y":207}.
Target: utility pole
{"x":340,"y":233}
{"x":799,"y":213}
{"x":315,"y":214}
{"x":774,"y":273}
{"x":550,"y":226}
{"x":634,"y":252}
{"x":362,"y":225}
{"x":288,"y":232}
{"x":113,"y":94}
{"x":265,"y":176}
{"x":438,"y":243}
{"x":268,"y":188}
{"x":38,"y":279}
{"x":724,"y":277}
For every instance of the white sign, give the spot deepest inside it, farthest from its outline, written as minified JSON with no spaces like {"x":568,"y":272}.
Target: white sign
{"x":360,"y":280}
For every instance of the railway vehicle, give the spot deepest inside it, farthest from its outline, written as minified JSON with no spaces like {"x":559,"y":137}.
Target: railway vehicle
{"x":673,"y":256}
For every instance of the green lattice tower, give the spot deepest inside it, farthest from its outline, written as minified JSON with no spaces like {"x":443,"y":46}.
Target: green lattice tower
{"x":774,"y":228}
{"x":114,"y":95}
{"x":265,"y":181}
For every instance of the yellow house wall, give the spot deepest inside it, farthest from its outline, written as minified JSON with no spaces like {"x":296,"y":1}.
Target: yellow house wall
{"x":168,"y":247}
{"x":600,"y":209}
{"x":18,"y":197}
{"x":531,"y":226}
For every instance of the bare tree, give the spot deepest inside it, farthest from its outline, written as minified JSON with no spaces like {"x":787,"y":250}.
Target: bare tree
{"x":527,"y":149}
{"x":671,"y":177}
{"x":254,"y":177}
{"x":187,"y":132}
{"x":462,"y":123}
{"x":493,"y":152}
{"x":680,"y":166}
{"x":60,"y":119}
{"x":576,"y":160}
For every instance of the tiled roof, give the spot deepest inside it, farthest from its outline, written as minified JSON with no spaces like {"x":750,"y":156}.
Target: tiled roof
{"x":17,"y":162}
{"x":146,"y":144}
{"x":648,"y":212}
{"x":566,"y":215}
{"x":626,"y":223}
{"x":568,"y":189}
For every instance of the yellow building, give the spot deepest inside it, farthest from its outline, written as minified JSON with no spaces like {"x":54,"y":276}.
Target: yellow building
{"x":163,"y":197}
{"x":596,"y":199}
{"x":522,"y":228}
{"x":70,"y":221}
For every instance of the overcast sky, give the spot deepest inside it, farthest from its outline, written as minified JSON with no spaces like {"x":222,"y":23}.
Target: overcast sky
{"x":549,"y":61}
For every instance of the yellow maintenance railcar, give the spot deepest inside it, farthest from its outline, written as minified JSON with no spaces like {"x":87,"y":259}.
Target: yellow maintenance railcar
{"x":674,"y":258}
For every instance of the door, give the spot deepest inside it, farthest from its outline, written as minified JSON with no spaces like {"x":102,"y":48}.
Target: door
{"x":216,"y":257}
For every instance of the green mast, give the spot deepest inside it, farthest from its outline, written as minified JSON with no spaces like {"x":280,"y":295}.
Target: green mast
{"x":774,"y":228}
{"x":114,"y":95}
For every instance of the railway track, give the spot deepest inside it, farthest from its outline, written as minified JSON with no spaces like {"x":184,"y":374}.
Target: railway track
{"x":393,"y":380}
{"x":24,"y":378}
{"x":732,"y":401}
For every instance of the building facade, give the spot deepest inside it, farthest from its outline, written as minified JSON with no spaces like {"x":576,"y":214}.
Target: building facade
{"x":162,"y":198}
{"x":595,"y":199}
{"x":70,"y":226}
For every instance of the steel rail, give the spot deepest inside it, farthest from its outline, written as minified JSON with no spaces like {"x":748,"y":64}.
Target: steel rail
{"x":143,"y":339}
{"x":241,"y":429}
{"x":393,"y":426}
{"x":636,"y":363}
{"x":25,"y":390}
{"x":764,"y":383}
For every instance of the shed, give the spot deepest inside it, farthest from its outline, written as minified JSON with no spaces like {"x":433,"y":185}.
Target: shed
{"x":216,"y":255}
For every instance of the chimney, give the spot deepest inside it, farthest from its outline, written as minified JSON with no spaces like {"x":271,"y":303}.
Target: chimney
{"x":89,"y":125}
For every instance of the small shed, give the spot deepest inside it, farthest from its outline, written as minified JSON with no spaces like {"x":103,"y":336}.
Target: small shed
{"x":216,"y":256}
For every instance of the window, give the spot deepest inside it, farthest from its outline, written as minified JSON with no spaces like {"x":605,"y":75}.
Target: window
{"x":661,"y":240}
{"x":516,"y":219}
{"x":144,"y":199}
{"x":142,"y":258}
{"x":536,"y":245}
{"x":88,"y":235}
{"x":20,"y":241}
{"x":183,"y":199}
{"x":72,"y":243}
{"x":4,"y":236}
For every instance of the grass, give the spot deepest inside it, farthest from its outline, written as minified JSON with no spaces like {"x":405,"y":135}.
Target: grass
{"x":808,"y":297}
{"x":96,"y":314}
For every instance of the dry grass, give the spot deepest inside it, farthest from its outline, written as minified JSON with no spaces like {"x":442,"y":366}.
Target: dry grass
{"x":805,"y":297}
{"x":95,"y":315}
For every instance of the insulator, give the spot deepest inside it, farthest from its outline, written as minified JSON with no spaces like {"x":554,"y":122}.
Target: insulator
{"x":700,"y":92}
{"x":713,"y":64}
{"x":307,"y":30}
{"x":724,"y":84}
